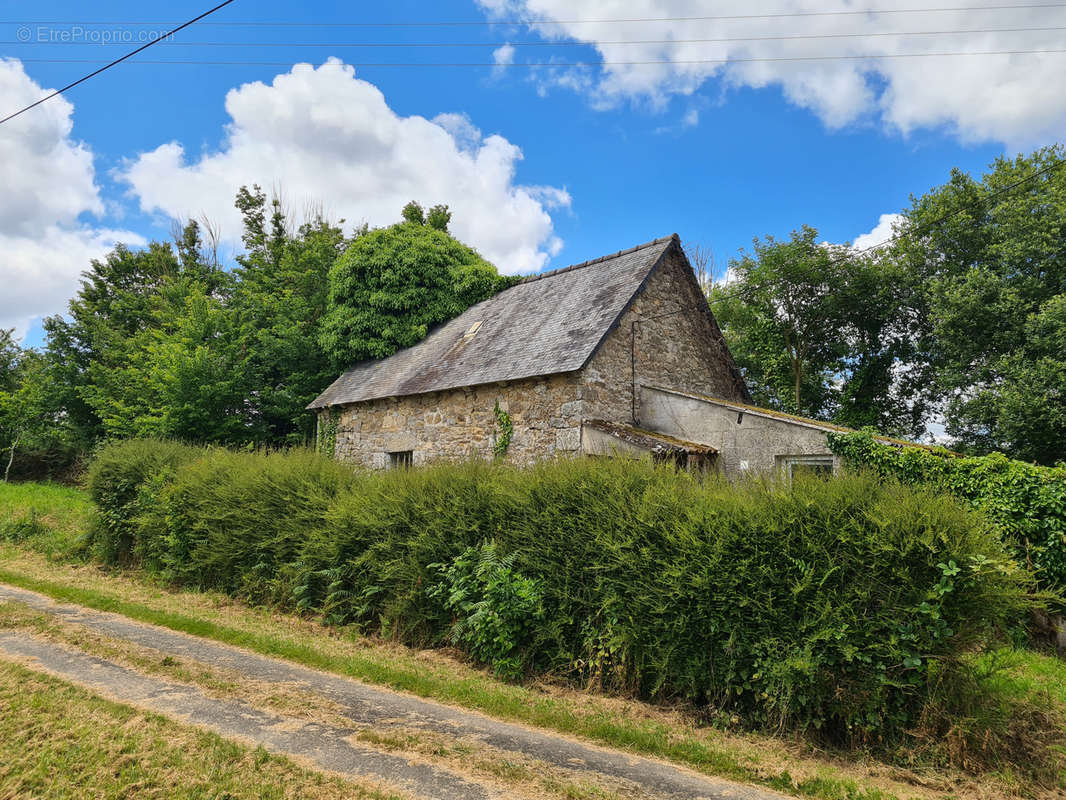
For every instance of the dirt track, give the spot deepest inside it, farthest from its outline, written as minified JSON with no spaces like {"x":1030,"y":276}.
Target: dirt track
{"x":331,"y":747}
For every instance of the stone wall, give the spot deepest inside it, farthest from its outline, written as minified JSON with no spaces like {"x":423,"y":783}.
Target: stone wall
{"x":546,"y":414}
{"x":747,"y":441}
{"x":668,"y":337}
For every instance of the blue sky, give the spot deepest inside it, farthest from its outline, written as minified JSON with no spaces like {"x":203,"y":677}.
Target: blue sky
{"x":578,"y":162}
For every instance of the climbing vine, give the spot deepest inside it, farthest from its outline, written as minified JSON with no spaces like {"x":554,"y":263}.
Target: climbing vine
{"x":503,"y":421}
{"x":327,"y":434}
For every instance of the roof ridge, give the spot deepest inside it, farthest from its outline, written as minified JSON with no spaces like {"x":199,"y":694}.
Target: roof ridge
{"x":591,"y":261}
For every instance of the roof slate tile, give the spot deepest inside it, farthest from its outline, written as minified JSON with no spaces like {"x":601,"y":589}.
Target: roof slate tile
{"x":545,"y":325}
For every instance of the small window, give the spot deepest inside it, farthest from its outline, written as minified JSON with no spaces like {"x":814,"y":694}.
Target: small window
{"x":401,"y":459}
{"x":821,"y":466}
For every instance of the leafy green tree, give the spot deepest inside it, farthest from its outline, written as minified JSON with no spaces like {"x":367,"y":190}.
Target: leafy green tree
{"x":776,"y":315}
{"x":183,"y":377}
{"x":992,"y":254}
{"x":117,"y":300}
{"x":439,"y":217}
{"x":280,"y":300}
{"x":393,"y":284}
{"x":34,"y":436}
{"x":822,"y":331}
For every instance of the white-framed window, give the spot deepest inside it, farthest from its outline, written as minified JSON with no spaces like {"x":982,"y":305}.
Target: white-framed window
{"x":822,"y":465}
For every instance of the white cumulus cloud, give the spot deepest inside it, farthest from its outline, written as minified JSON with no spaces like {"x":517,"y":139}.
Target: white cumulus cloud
{"x":882,"y":232}
{"x":1010,"y":96}
{"x":328,"y":138}
{"x":49,"y":188}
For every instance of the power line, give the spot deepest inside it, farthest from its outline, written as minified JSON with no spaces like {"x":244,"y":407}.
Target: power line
{"x":531,"y":22}
{"x":113,"y":63}
{"x":534,"y":64}
{"x":576,"y":43}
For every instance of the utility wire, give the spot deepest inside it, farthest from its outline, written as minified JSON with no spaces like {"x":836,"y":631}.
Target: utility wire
{"x":113,"y":63}
{"x":652,"y":62}
{"x":531,"y":22}
{"x":575,"y":43}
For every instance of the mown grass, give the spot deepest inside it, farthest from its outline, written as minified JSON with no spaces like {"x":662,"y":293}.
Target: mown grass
{"x":526,"y":775}
{"x":59,"y":741}
{"x":787,"y":765}
{"x":52,"y":518}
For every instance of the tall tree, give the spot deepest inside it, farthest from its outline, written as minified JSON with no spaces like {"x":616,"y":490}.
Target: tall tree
{"x":280,"y":300}
{"x":822,"y":331}
{"x":992,"y":253}
{"x":392,"y":284}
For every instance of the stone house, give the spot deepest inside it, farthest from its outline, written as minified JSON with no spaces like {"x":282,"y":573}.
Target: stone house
{"x":620,"y":354}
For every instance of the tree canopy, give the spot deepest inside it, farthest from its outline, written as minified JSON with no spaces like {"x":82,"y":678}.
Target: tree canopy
{"x":992,"y":254}
{"x":961,"y":317}
{"x":393,"y":284}
{"x":820,"y":331}
{"x":166,"y":341}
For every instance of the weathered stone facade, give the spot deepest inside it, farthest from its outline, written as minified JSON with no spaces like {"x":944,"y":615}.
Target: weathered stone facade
{"x":546,"y":414}
{"x":666,"y":336}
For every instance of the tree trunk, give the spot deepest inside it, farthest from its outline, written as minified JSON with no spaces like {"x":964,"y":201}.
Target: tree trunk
{"x":797,"y":369}
{"x":11,"y":456}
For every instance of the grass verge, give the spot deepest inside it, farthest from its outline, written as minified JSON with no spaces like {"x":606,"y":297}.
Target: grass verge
{"x":523,"y":776}
{"x":59,"y":741}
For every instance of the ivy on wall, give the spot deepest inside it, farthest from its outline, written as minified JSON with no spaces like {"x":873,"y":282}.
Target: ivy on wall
{"x":503,"y":422}
{"x":326,"y":441}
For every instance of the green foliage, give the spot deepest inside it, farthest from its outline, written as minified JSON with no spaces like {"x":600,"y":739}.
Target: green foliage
{"x":495,"y":608}
{"x":36,"y":438}
{"x":993,"y":265}
{"x":279,"y":302}
{"x":823,"y":332}
{"x":393,"y":284}
{"x":326,"y":442}
{"x":19,"y":529}
{"x":503,"y":421}
{"x":821,"y":604}
{"x":116,"y":480}
{"x":236,"y":521}
{"x":1026,"y":503}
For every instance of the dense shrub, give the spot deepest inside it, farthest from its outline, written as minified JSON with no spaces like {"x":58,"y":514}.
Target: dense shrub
{"x":1027,"y":503}
{"x":237,"y":522}
{"x":823,"y":604}
{"x":117,"y":479}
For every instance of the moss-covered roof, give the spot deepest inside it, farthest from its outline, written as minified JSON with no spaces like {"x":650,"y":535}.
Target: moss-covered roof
{"x":649,"y":439}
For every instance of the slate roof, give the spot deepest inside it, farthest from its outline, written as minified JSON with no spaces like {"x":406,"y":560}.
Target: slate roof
{"x":547,"y":324}
{"x":651,"y":440}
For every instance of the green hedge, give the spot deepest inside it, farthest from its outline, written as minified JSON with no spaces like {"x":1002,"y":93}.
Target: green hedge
{"x":1026,"y":503}
{"x":824,"y":603}
{"x":117,"y":479}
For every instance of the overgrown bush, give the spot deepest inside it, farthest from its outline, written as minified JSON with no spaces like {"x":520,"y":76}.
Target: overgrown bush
{"x":116,"y":480}
{"x":495,"y":608}
{"x":238,"y":522}
{"x":820,"y":604}
{"x":1027,"y":503}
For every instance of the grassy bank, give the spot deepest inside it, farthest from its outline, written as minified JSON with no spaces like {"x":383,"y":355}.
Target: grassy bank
{"x":789,"y":764}
{"x":59,"y":741}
